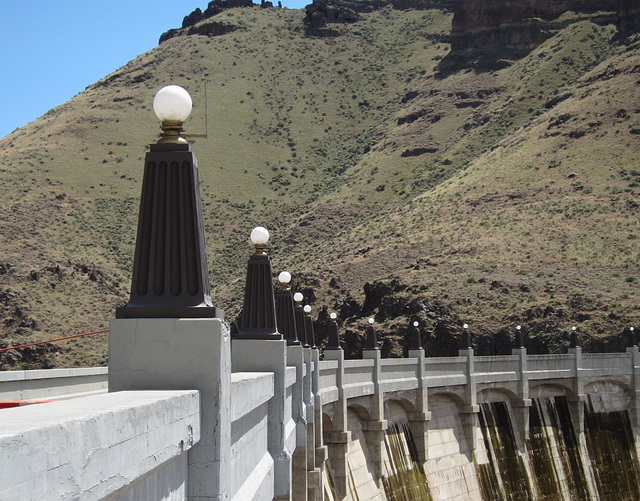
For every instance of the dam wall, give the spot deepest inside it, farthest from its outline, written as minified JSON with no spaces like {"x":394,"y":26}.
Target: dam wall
{"x":276,"y":422}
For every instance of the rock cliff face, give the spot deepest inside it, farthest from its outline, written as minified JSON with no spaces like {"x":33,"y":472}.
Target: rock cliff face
{"x":211,"y":29}
{"x":629,"y":15}
{"x":319,"y":13}
{"x":519,"y":24}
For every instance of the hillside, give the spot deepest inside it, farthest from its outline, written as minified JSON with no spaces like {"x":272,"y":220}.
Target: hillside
{"x":398,"y":178}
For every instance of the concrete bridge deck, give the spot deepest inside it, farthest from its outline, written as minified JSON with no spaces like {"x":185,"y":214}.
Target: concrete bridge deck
{"x":282,"y":433}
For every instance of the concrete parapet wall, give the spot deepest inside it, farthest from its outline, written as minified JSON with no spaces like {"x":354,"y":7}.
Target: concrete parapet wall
{"x":328,"y":381}
{"x":398,"y":374}
{"x":182,"y":354}
{"x":497,"y":364}
{"x":48,"y":383}
{"x":263,"y":427}
{"x":126,"y":445}
{"x":547,"y":363}
{"x":252,"y":476}
{"x":358,"y":378}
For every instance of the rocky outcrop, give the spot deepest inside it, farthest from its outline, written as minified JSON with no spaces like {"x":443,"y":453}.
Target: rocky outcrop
{"x":191,"y":23}
{"x":213,"y":9}
{"x":517,"y":24}
{"x":322,"y":12}
{"x":210,"y":29}
{"x":628,"y":15}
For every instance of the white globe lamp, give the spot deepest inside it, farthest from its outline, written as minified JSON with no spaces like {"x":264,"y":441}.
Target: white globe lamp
{"x":172,"y":105}
{"x":260,"y":237}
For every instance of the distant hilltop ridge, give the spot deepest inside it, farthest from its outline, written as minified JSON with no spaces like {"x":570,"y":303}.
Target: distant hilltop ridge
{"x":318,"y":13}
{"x":524,"y":24}
{"x":516,"y":24}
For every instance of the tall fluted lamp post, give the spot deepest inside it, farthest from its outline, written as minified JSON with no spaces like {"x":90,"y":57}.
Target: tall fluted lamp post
{"x":258,"y":346}
{"x":372,"y":339}
{"x":573,"y":338}
{"x":415,"y":343}
{"x":299,"y":316}
{"x":169,"y":336}
{"x":333,"y":340}
{"x":258,"y":320}
{"x":308,"y":325}
{"x":170,"y":275}
{"x":466,"y":337}
{"x":285,"y":310}
{"x":519,"y":337}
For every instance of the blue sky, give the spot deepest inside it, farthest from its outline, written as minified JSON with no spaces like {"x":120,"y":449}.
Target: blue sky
{"x":54,"y":49}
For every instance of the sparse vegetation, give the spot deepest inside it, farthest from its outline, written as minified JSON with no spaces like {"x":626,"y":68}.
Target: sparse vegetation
{"x":493,"y":195}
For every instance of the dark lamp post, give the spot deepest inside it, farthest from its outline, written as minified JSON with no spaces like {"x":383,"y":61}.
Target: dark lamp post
{"x":372,"y":339}
{"x":258,"y":319}
{"x":333,"y":341}
{"x":573,"y":338}
{"x":170,"y":275}
{"x":285,"y":310}
{"x":466,"y":338}
{"x":414,"y":337}
{"x":519,"y":337}
{"x":308,"y":324}
{"x":299,"y":316}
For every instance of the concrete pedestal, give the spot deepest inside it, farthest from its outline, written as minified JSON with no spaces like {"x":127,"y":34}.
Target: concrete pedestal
{"x":469,"y":410}
{"x":271,"y":356}
{"x":182,"y":354}
{"x":419,"y":420}
{"x":320,"y":453}
{"x":337,"y":439}
{"x":375,"y":429}
{"x":295,"y":358}
{"x":337,"y":443}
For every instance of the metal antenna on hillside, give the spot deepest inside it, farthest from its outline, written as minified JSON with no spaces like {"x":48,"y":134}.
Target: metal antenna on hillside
{"x":206,"y":116}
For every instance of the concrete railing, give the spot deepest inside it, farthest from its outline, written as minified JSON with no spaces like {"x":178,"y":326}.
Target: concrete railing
{"x":127,"y":445}
{"x":445,"y":371}
{"x":358,"y":378}
{"x":497,"y":364}
{"x":607,"y":364}
{"x":328,"y":381}
{"x":398,"y":374}
{"x":47,"y":383}
{"x":260,"y":419}
{"x":253,"y":465}
{"x":550,"y":366}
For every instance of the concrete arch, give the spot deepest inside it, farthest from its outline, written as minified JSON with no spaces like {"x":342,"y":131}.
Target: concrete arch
{"x":447,"y":438}
{"x":542,"y":390}
{"x":608,"y":396}
{"x":593,"y":385}
{"x":489,"y":395}
{"x":407,"y":404}
{"x":395,"y":412}
{"x":451,"y":396}
{"x":360,"y":411}
{"x":327,"y":422}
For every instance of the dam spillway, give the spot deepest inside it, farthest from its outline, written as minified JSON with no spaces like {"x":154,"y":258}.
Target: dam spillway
{"x":554,"y":463}
{"x":563,"y":433}
{"x":268,"y":421}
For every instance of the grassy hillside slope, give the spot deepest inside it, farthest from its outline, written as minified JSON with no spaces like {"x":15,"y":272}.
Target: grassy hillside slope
{"x":494,"y":194}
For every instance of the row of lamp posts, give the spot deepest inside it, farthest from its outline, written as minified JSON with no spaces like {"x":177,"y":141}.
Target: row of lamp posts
{"x":170,"y":276}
